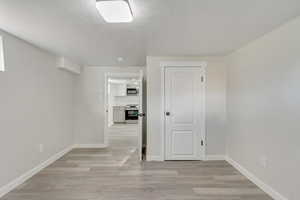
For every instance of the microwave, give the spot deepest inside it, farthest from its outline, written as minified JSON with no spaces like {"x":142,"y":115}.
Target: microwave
{"x":132,"y":91}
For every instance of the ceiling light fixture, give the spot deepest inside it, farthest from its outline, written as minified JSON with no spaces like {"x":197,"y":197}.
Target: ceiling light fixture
{"x":115,"y":11}
{"x":2,"y":68}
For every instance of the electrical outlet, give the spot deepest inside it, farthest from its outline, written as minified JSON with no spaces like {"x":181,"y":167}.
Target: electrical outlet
{"x":263,"y":161}
{"x":41,"y":148}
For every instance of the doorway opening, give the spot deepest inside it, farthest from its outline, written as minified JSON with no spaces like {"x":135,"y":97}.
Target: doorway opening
{"x":124,"y":114}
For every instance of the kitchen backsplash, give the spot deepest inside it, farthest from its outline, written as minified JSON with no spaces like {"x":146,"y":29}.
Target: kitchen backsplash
{"x":125,"y":100}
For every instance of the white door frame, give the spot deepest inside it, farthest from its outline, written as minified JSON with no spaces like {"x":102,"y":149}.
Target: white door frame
{"x":164,"y":65}
{"x":115,"y":75}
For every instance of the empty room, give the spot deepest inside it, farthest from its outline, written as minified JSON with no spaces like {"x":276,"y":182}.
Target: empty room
{"x":149,"y":100}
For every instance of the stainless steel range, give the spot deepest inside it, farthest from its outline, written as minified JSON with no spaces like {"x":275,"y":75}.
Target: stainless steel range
{"x":132,"y":114}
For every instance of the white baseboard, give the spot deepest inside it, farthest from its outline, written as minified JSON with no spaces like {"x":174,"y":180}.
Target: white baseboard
{"x":207,"y":158}
{"x":214,"y":157}
{"x":262,"y":185}
{"x":90,"y":145}
{"x":21,"y":179}
{"x":154,"y":158}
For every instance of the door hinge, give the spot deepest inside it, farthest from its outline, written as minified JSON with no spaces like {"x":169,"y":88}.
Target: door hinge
{"x":202,"y":142}
{"x":202,"y":79}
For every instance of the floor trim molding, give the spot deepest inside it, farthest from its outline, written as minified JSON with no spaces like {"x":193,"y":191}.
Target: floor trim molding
{"x":27,"y":175}
{"x":207,"y":158}
{"x":262,"y":185}
{"x":154,"y":158}
{"x":90,"y":146}
{"x":215,"y":157}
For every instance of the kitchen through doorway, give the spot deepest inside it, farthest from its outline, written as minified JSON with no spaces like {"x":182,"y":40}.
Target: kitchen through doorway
{"x":123,"y":117}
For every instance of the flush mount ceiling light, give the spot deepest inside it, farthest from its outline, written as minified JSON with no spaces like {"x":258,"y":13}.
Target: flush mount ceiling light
{"x":115,"y":11}
{"x":2,"y":69}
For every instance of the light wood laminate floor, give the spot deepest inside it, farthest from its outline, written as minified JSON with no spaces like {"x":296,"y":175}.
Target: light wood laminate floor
{"x":116,"y":174}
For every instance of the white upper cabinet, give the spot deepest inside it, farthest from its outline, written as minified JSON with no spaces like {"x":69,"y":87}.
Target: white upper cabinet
{"x":118,"y":89}
{"x":121,"y":90}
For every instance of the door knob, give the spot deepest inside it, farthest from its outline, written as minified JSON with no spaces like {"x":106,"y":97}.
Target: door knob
{"x":167,"y":113}
{"x":142,"y":114}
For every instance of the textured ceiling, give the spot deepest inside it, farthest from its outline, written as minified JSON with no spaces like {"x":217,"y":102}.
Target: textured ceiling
{"x":73,"y":28}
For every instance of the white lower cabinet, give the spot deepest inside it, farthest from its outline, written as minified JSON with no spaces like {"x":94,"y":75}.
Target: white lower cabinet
{"x":119,"y":114}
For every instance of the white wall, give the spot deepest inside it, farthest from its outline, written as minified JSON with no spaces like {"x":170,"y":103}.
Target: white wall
{"x":215,"y":104}
{"x":89,"y":103}
{"x":35,"y":108}
{"x":264,"y":108}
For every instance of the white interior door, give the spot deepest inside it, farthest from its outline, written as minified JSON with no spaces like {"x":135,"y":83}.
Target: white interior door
{"x":141,"y":116}
{"x":184,"y":113}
